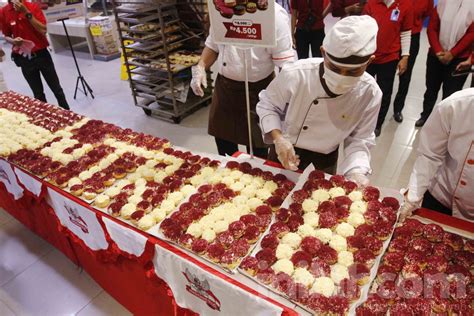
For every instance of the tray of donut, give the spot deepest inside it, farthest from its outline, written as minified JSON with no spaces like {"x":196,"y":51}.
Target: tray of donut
{"x":231,"y":209}
{"x":427,"y":270}
{"x":325,"y":243}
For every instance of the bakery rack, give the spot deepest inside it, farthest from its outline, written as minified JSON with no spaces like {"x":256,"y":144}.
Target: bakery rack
{"x":160,"y":41}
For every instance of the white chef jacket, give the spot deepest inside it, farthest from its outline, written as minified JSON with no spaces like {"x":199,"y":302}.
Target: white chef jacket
{"x":296,"y":103}
{"x":261,"y":61}
{"x":445,"y":163}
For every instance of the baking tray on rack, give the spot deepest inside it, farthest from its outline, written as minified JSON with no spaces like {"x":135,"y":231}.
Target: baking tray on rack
{"x":364,"y":290}
{"x":137,"y":18}
{"x":136,"y":8}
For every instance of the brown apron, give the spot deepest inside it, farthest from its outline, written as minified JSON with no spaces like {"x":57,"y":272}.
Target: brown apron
{"x":324,"y":162}
{"x":228,"y":113}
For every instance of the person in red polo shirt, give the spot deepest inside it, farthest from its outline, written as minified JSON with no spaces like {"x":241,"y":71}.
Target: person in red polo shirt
{"x":395,"y":21}
{"x":343,"y":8}
{"x":23,"y":21}
{"x":451,"y":34}
{"x":307,"y":19}
{"x":421,"y":10}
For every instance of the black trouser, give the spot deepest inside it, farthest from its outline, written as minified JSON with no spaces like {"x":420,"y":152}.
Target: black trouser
{"x":431,"y":203}
{"x":438,"y":74}
{"x":385,"y":76}
{"x":404,"y":82}
{"x":225,"y":147}
{"x":304,"y":39}
{"x":41,"y":63}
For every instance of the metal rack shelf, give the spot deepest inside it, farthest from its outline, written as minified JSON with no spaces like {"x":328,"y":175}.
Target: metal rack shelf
{"x":151,"y":32}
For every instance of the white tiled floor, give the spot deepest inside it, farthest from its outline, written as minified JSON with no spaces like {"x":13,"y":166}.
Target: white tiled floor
{"x":35,"y":279}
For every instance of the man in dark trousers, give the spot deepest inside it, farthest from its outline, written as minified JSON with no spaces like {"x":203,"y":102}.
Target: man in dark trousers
{"x":451,"y":34}
{"x":421,"y":10}
{"x":307,"y":26}
{"x":24,"y":21}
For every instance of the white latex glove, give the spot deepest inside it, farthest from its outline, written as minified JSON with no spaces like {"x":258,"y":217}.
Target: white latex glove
{"x":359,"y":178}
{"x":286,"y":153}
{"x":408,"y":208}
{"x":199,"y":79}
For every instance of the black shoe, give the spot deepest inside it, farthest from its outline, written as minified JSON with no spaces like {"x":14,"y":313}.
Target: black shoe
{"x":377,"y":131}
{"x":398,"y":116}
{"x":420,"y":122}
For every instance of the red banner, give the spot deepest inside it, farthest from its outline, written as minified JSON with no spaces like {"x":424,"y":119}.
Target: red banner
{"x":246,"y":31}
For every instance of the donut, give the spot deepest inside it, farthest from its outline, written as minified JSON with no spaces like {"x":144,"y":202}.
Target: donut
{"x":251,"y":234}
{"x":318,"y":303}
{"x":338,"y":305}
{"x":349,"y":186}
{"x":270,"y":241}
{"x":186,"y":240}
{"x":412,"y":270}
{"x":265,"y":276}
{"x":311,"y":245}
{"x":266,"y":255}
{"x":415,"y":226}
{"x":297,"y":292}
{"x":283,"y":215}
{"x":422,"y":245}
{"x":399,"y":244}
{"x":360,"y":273}
{"x":374,"y":305}
{"x":199,"y":246}
{"x":337,"y":180}
{"x":237,"y":229}
{"x":371,"y":217}
{"x":299,"y":196}
{"x":301,"y":259}
{"x":326,"y":207}
{"x":386,"y":272}
{"x":324,"y":184}
{"x":327,"y":254}
{"x":274,"y":201}
{"x":279,"y":229}
{"x":263,"y":221}
{"x":382,"y":230}
{"x":342,"y":201}
{"x":387,"y":290}
{"x":373,"y":244}
{"x":415,"y":257}
{"x":215,"y":252}
{"x":348,"y":288}
{"x":250,"y":265}
{"x":433,"y":232}
{"x":374,"y":206}
{"x":364,"y":230}
{"x":294,"y":221}
{"x":443,"y":250}
{"x":464,"y":258}
{"x":226,"y":239}
{"x":249,"y":219}
{"x":296,"y":208}
{"x":327,"y":220}
{"x":251,"y":7}
{"x":437,"y":263}
{"x":342,"y":214}
{"x":229,"y":259}
{"x":316,"y":175}
{"x":453,"y":240}
{"x":387,"y":215}
{"x":396,"y":260}
{"x":282,"y":282}
{"x":391,"y":202}
{"x":371,"y":193}
{"x":355,"y":243}
{"x":319,"y":268}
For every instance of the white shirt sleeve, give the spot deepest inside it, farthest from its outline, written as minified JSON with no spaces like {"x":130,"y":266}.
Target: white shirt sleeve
{"x":432,"y":151}
{"x":357,"y":145}
{"x":283,"y":52}
{"x":272,"y":106}
{"x":210,"y":42}
{"x":405,"y":42}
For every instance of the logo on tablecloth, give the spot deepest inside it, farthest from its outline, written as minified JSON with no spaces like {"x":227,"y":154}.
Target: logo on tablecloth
{"x":202,"y":290}
{"x":76,"y":219}
{"x":4,"y":175}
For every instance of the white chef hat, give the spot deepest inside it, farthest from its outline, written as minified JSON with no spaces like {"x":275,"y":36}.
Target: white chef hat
{"x":351,"y":41}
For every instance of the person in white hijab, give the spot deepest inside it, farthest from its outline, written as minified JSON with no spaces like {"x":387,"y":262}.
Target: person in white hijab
{"x":443,"y":175}
{"x":315,"y":104}
{"x":451,"y":34}
{"x":3,"y":84}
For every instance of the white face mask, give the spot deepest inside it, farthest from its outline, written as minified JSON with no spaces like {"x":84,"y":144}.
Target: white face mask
{"x":337,"y":83}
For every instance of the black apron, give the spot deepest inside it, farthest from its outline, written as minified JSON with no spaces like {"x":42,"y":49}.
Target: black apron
{"x":228,"y":113}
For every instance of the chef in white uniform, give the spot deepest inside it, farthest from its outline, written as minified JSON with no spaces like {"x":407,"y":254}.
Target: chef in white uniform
{"x":315,"y":104}
{"x":443,"y":175}
{"x":228,"y":112}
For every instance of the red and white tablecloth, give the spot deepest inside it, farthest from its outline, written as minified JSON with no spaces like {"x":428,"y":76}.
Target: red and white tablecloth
{"x":144,"y":273}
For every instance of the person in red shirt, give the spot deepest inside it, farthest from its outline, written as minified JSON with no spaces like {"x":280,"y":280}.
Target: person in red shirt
{"x":395,"y":21}
{"x":307,"y":26}
{"x":421,"y":10}
{"x":24,"y":23}
{"x":451,"y":34}
{"x":343,"y":8}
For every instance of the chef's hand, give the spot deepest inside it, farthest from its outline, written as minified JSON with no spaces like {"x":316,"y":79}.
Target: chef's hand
{"x":199,"y":79}
{"x":286,"y":152}
{"x":359,"y":178}
{"x":408,"y":208}
{"x":402,"y":65}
